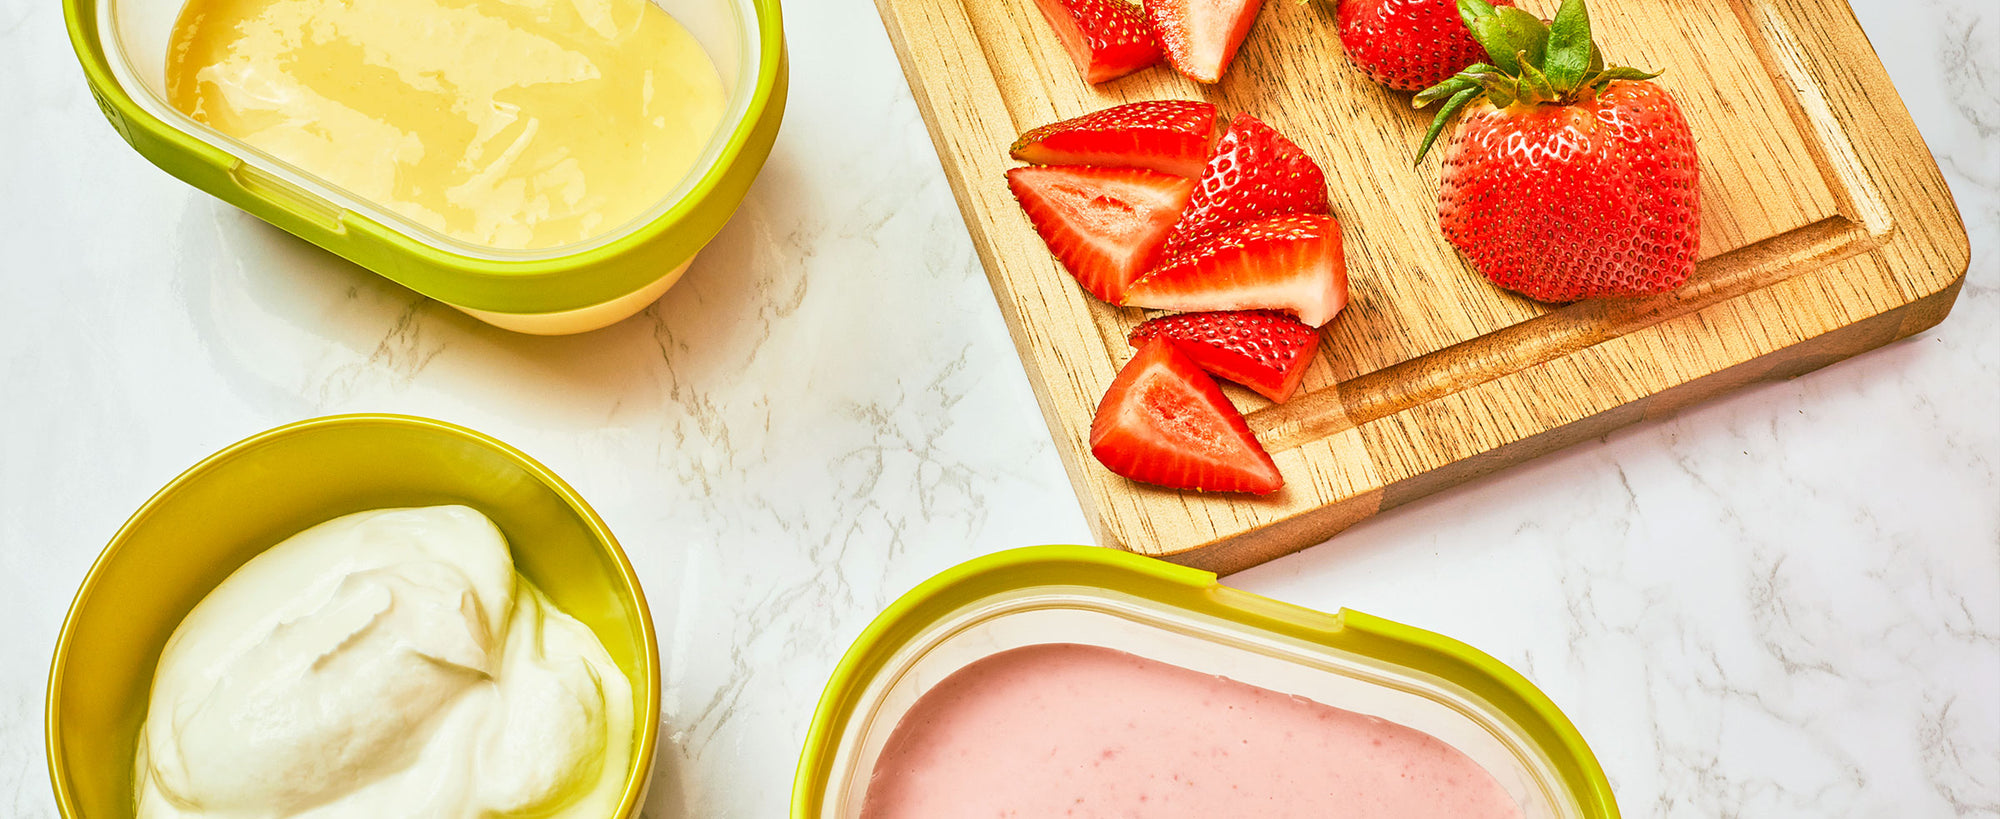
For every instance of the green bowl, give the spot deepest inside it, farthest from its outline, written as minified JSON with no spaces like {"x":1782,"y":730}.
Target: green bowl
{"x":248,"y":497}
{"x":122,"y":45}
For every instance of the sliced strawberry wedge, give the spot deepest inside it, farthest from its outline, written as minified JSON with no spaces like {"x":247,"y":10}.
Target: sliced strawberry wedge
{"x":1105,"y":225}
{"x":1201,"y":36}
{"x":1107,"y":39}
{"x":1165,"y":422}
{"x":1169,"y":136}
{"x":1255,"y":172}
{"x":1264,"y":350}
{"x":1291,"y":263}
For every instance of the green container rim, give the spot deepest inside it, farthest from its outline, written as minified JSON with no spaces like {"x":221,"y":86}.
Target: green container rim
{"x":1195,"y":591}
{"x":525,"y":286}
{"x":647,"y":724}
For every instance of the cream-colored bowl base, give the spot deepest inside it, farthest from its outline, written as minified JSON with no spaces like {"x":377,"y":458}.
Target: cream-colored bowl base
{"x":582,"y":319}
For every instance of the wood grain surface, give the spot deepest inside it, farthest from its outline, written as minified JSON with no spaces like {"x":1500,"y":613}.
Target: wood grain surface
{"x":1826,"y":231}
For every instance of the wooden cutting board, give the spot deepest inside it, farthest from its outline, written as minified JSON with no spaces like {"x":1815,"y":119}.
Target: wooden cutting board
{"x":1826,"y":231}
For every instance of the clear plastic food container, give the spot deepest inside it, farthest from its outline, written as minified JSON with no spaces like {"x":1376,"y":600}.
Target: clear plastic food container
{"x":566,"y":289}
{"x":1183,"y":617}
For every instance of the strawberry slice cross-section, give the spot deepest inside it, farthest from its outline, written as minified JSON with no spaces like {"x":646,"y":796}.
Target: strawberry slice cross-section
{"x":1264,"y":350}
{"x":1169,"y":136}
{"x":1106,"y":225}
{"x":1201,"y":36}
{"x":1292,"y":263}
{"x":1255,"y":173}
{"x":1107,"y":39}
{"x":1165,"y":422}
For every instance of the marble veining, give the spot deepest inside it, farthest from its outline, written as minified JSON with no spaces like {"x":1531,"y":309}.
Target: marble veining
{"x":1783,"y":603}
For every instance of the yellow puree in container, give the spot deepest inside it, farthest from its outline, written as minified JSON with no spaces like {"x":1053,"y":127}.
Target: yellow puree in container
{"x":515,"y":124}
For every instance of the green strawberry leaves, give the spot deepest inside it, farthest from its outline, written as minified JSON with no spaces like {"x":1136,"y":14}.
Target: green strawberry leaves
{"x":1507,"y":33}
{"x":1606,"y":76}
{"x":1569,"y":47}
{"x":1451,"y":106}
{"x":1536,"y":84}
{"x":1474,"y":11}
{"x":1532,"y":62}
{"x":1443,"y":91}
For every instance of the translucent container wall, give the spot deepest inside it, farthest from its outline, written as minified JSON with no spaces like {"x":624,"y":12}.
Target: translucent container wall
{"x":135,"y":33}
{"x":1099,"y":617}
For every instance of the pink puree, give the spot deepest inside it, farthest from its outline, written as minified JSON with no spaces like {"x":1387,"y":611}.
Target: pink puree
{"x":1074,"y":730}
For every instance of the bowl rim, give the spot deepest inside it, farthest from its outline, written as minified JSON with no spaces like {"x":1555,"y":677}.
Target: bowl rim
{"x":648,"y":723}
{"x":1199,"y":592}
{"x":519,"y":285}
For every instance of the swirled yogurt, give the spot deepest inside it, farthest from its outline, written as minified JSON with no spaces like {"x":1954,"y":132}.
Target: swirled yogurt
{"x":384,"y":664}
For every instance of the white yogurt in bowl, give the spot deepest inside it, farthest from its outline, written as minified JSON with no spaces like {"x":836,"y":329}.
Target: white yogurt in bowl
{"x":384,"y":664}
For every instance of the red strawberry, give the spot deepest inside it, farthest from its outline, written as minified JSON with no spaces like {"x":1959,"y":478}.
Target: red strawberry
{"x":1201,"y":36}
{"x":1568,"y":181}
{"x":1264,"y":350}
{"x":1164,"y":421}
{"x":1618,"y":215}
{"x":1106,"y":225}
{"x":1107,"y":39}
{"x":1255,"y":173}
{"x":1169,"y":136}
{"x":1291,"y":263}
{"x":1408,"y":45}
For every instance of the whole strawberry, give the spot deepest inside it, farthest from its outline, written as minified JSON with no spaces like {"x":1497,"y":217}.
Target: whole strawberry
{"x":1564,"y":180}
{"x":1408,"y":45}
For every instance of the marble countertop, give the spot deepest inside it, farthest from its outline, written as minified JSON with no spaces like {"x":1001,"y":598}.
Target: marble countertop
{"x":1782,"y":603}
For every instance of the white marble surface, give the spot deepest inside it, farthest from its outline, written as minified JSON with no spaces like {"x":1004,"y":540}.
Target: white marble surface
{"x":1784,"y":603}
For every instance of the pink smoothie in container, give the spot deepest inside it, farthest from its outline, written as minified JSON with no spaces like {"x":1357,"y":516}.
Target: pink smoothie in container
{"x":1061,"y":729}
{"x":1084,"y":682}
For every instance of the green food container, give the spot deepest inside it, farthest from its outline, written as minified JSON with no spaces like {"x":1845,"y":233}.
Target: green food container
{"x":1182,"y":616}
{"x":569,"y":289}
{"x":249,"y":497}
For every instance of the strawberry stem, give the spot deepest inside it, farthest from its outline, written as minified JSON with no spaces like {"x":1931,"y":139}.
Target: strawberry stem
{"x":1532,"y":62}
